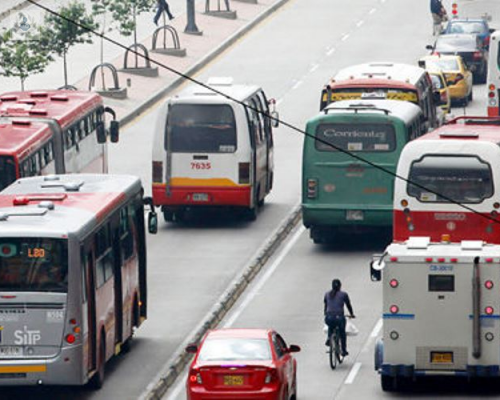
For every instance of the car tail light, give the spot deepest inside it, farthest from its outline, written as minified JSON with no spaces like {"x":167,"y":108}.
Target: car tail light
{"x":394,"y":283}
{"x":157,"y":171}
{"x":489,"y":310}
{"x":394,"y":309}
{"x":244,"y":172}
{"x":489,"y":285}
{"x":477,"y":55}
{"x":195,"y":378}
{"x":70,"y":338}
{"x":271,"y":376}
{"x":312,"y":188}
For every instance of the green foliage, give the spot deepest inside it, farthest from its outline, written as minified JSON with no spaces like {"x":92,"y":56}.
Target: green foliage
{"x":24,"y":57}
{"x":61,"y":34}
{"x":124,"y":12}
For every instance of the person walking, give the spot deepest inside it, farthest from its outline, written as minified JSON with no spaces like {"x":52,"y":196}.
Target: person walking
{"x":438,"y":13}
{"x":162,"y":6}
{"x":334,"y":302}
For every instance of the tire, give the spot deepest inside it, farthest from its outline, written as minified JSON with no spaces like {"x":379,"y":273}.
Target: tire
{"x":388,"y":383}
{"x":97,"y":380}
{"x":471,"y":97}
{"x":252,"y":212}
{"x":168,"y":215}
{"x":332,"y":353}
{"x":338,"y":353}
{"x":316,"y":236}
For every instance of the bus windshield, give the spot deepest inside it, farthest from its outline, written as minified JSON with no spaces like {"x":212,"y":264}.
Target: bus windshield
{"x":463,"y":179}
{"x":33,"y":265}
{"x":7,"y":171}
{"x":201,"y":128}
{"x":356,"y":137}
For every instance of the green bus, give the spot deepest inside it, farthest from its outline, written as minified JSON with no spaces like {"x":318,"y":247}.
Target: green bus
{"x":342,"y":194}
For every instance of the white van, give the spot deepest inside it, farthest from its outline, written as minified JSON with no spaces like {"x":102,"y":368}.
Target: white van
{"x":214,"y":148}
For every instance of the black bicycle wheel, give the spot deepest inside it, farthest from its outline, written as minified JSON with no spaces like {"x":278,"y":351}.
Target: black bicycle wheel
{"x":332,"y":352}
{"x":338,"y":351}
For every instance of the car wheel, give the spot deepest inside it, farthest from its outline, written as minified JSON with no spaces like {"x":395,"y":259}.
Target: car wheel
{"x":388,"y":383}
{"x":470,"y":96}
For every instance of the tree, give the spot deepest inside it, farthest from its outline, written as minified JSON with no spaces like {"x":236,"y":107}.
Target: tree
{"x":24,"y":57}
{"x":63,"y":33}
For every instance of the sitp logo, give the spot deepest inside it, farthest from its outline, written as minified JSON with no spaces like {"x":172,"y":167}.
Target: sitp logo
{"x":20,"y":26}
{"x":26,"y":337}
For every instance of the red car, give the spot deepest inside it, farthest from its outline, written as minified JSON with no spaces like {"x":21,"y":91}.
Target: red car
{"x":242,"y":364}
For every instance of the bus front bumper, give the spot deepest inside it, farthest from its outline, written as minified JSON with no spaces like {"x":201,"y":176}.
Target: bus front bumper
{"x":64,"y":369}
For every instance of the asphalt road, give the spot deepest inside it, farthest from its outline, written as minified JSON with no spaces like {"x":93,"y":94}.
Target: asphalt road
{"x":292,"y":54}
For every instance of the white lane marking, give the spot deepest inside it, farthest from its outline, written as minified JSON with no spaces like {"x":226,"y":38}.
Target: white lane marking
{"x":297,"y":84}
{"x":178,"y":387}
{"x":360,"y":23}
{"x":372,"y":11}
{"x":345,"y":37}
{"x":331,"y":51}
{"x":264,"y":278}
{"x":352,"y":375}
{"x":377,"y":328}
{"x":314,"y":68}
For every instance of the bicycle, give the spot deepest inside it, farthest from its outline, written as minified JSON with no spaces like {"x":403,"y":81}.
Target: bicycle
{"x":334,"y":350}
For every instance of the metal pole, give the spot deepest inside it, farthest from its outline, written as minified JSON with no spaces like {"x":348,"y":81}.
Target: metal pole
{"x":191,"y":27}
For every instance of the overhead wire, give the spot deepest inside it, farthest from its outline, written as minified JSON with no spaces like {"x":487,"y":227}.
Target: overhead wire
{"x":266,"y":115}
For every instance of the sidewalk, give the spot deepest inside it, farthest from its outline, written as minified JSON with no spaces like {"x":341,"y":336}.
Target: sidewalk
{"x":218,"y":35}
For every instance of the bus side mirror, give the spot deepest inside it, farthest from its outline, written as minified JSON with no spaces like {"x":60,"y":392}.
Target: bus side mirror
{"x":429,"y":47}
{"x":153,"y":222}
{"x":114,"y":131}
{"x":101,"y":133}
{"x":437,"y":98}
{"x":376,"y":267}
{"x":192,"y":349}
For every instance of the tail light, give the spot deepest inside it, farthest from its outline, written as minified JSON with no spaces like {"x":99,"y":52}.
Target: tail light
{"x":157,"y":171}
{"x":477,"y":55}
{"x":75,"y":331}
{"x":489,"y":310}
{"x":271,"y":377}
{"x":195,"y":378}
{"x":244,"y":172}
{"x":394,"y":309}
{"x":70,"y":338}
{"x":394,"y":283}
{"x":489,"y":285}
{"x":312,"y":188}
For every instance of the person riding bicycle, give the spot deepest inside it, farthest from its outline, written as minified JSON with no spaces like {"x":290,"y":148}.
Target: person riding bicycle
{"x":334,"y":301}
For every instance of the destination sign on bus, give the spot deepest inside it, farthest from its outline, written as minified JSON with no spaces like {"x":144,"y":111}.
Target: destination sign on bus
{"x":379,"y":94}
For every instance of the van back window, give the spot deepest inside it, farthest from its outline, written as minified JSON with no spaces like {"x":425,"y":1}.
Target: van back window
{"x":356,"y":137}
{"x":463,"y":179}
{"x":201,"y":128}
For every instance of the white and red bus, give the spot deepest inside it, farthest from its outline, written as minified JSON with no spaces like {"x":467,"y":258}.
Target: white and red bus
{"x":454,"y":173}
{"x":49,"y":132}
{"x":211,"y":150}
{"x":494,"y":75}
{"x":72,"y":276}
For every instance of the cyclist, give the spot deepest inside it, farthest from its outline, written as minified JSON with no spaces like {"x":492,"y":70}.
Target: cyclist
{"x":439,"y":15}
{"x":334,"y":301}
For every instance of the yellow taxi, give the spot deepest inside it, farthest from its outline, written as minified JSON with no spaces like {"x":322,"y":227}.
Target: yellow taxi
{"x":458,"y":76}
{"x":440,"y":86}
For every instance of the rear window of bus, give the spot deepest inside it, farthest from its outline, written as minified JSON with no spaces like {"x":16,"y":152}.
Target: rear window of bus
{"x":356,"y":137}
{"x":443,"y":64}
{"x":33,"y":265}
{"x":201,"y":128}
{"x":439,"y":179}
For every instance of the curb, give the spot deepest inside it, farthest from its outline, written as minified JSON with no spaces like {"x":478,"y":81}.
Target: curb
{"x":200,"y":64}
{"x":224,"y":304}
{"x":17,"y":7}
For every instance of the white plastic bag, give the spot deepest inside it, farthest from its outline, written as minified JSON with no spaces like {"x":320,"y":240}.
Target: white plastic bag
{"x":350,"y":328}
{"x":325,"y":329}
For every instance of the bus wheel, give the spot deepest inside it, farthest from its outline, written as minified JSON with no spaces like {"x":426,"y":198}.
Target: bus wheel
{"x":389,"y":383}
{"x":168,"y":215}
{"x":251,"y":213}
{"x":470,"y":96}
{"x":316,"y":236}
{"x":98,"y":378}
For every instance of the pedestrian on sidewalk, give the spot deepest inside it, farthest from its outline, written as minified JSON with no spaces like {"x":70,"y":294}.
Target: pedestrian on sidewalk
{"x":438,"y":16}
{"x":162,"y":6}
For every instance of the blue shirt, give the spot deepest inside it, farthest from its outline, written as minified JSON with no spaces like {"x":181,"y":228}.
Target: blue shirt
{"x":436,"y":6}
{"x":335,"y":305}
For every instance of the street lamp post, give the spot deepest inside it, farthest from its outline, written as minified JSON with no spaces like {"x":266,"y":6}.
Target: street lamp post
{"x":191,"y":27}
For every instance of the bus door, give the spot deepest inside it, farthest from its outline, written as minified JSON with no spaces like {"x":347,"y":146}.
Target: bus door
{"x":71,"y":149}
{"x":268,"y":132}
{"x":89,"y":301}
{"x":202,"y":153}
{"x":261,"y":150}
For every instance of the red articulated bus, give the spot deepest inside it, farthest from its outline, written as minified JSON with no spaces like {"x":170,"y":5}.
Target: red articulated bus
{"x":53,"y":132}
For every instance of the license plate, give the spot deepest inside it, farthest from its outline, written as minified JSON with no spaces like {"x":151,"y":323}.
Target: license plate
{"x":354,"y":215}
{"x":11,"y":351}
{"x":442,"y":357}
{"x":233,"y":380}
{"x":200,"y":197}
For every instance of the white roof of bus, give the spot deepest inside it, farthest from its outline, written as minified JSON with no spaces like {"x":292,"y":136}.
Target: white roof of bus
{"x":200,"y":94}
{"x":404,"y":110}
{"x":69,"y":216}
{"x":381,"y":70}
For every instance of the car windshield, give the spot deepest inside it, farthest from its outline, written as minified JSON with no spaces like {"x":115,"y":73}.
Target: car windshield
{"x":201,"y":128}
{"x":448,"y":43}
{"x":235,"y":349}
{"x":467,"y":27}
{"x":356,"y":137}
{"x":442,"y":64}
{"x":33,"y":265}
{"x":462,"y":179}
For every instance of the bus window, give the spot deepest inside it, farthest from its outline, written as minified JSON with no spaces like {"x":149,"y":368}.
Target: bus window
{"x":126,"y":235}
{"x":104,"y":255}
{"x":258,"y":118}
{"x":7,"y":171}
{"x":33,"y":265}
{"x":201,"y":128}
{"x":356,"y":137}
{"x":462,"y":179}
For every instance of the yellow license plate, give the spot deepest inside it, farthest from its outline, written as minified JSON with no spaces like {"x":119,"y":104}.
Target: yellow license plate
{"x":442,"y":357}
{"x":233,"y":380}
